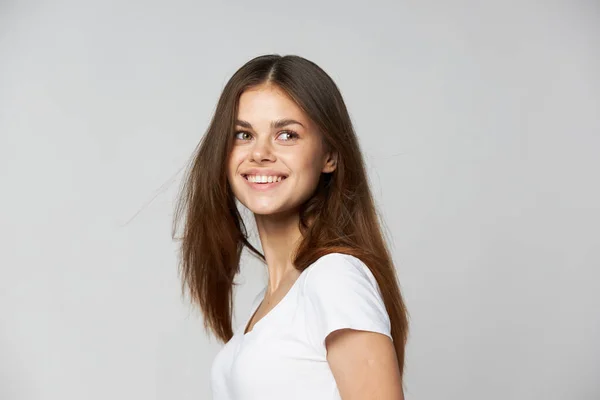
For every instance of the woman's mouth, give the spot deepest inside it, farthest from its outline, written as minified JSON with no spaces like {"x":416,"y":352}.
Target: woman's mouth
{"x":263,"y":182}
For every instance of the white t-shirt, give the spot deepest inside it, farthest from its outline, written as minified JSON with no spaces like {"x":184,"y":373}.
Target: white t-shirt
{"x":284,"y":355}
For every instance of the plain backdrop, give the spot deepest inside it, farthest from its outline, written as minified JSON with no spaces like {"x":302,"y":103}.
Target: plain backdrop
{"x":479,"y":123}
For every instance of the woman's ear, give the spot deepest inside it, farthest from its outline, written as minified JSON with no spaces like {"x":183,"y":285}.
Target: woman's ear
{"x":330,"y":162}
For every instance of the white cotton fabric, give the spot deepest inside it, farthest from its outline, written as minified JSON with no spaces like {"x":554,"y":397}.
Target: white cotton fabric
{"x":284,"y":355}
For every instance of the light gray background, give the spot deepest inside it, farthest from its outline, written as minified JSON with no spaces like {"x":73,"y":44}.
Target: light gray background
{"x":478,"y":120}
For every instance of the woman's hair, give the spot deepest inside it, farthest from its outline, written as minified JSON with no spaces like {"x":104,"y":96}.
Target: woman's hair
{"x":340,"y":217}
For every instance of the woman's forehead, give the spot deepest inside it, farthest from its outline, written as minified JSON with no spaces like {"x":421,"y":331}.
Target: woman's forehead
{"x":267,"y":105}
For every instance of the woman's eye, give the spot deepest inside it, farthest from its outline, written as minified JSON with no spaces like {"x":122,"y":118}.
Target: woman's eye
{"x":241,"y":135}
{"x":288,"y":135}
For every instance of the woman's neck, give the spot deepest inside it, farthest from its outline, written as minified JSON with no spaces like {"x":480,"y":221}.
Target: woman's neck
{"x":279,"y":236}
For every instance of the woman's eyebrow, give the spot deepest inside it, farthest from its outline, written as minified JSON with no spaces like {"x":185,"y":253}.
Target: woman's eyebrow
{"x":280,"y":123}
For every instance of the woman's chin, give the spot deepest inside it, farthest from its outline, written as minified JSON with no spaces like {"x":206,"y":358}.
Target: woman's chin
{"x":272,"y":211}
{"x":266,"y":211}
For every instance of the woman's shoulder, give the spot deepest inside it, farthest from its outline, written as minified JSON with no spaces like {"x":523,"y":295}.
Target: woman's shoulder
{"x":335,"y":261}
{"x":335,"y":269}
{"x":340,"y":292}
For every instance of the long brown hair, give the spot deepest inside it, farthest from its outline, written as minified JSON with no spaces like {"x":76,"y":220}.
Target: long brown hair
{"x":340,"y":216}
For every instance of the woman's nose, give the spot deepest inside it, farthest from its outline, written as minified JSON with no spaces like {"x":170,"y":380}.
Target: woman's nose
{"x":262,"y":150}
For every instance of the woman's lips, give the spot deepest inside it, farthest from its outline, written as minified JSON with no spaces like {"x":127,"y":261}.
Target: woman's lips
{"x":263,"y":186}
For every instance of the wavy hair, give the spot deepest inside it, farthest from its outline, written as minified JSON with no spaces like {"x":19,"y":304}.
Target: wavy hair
{"x":340,"y":216}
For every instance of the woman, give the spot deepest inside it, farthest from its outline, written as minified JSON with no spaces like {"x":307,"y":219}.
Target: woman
{"x":331,"y":322}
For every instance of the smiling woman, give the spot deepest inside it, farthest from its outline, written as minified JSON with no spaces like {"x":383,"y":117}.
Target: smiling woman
{"x":330,"y":323}
{"x":272,"y":148}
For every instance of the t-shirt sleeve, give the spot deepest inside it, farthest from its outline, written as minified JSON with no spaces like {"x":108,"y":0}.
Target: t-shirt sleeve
{"x":341,"y":292}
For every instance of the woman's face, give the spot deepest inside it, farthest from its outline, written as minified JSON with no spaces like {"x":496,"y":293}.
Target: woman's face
{"x":277,"y":156}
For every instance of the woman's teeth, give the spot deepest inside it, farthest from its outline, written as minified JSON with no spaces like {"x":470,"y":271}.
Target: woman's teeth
{"x":264,"y":179}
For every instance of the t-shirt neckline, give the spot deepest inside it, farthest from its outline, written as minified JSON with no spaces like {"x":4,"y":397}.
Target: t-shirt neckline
{"x":274,"y":309}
